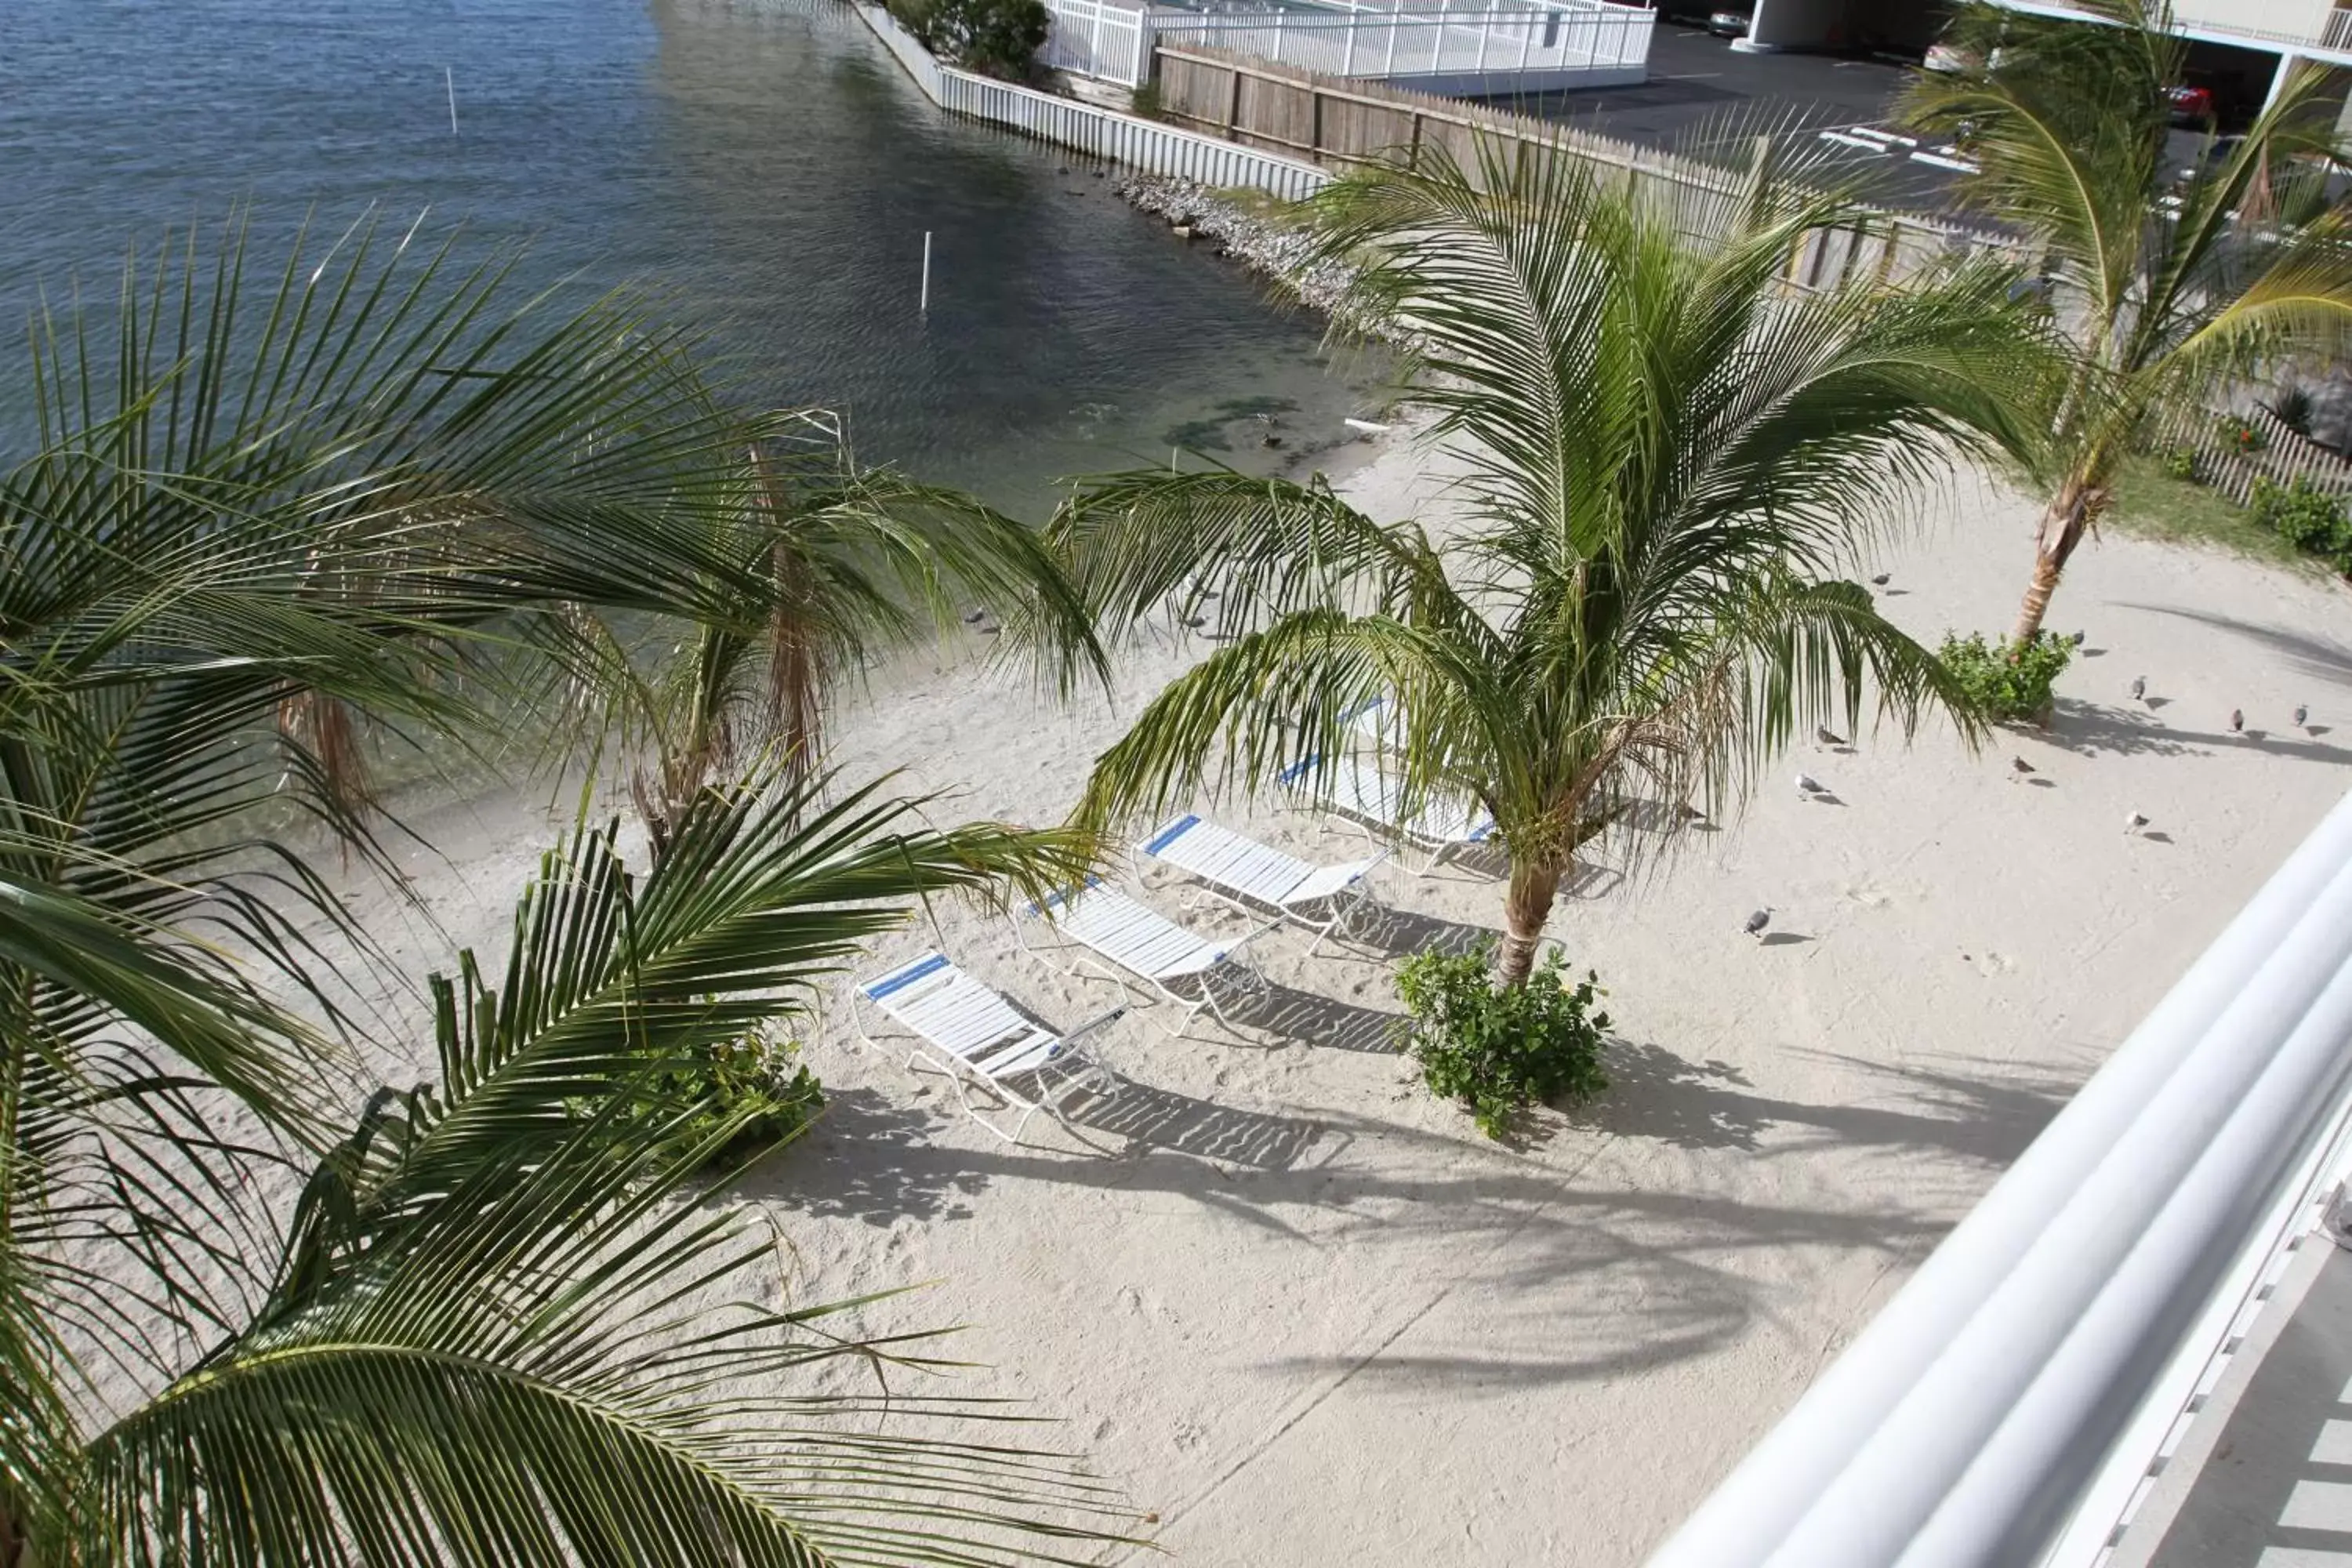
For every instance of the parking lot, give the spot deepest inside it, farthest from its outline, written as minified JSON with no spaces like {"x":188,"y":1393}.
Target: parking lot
{"x":1699,"y":84}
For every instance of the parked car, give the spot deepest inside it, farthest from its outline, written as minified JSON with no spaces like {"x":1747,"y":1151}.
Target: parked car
{"x":2189,"y":104}
{"x":1729,"y":23}
{"x":1950,"y":59}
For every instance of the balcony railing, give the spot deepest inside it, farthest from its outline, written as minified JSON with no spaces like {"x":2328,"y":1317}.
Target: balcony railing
{"x":2002,"y":1408}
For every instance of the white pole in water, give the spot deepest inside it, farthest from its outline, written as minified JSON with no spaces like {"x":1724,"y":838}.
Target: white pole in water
{"x":449,"y":80}
{"x":926,"y":306}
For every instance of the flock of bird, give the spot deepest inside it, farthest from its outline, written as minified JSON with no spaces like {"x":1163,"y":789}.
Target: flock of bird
{"x":1810,"y":788}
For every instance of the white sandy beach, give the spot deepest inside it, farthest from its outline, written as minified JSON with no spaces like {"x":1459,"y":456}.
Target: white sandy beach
{"x":1313,"y":1318}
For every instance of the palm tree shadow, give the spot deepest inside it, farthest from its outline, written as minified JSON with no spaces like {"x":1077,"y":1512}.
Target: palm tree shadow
{"x":2322,"y":658}
{"x":1656,"y":1094}
{"x":2092,"y":729}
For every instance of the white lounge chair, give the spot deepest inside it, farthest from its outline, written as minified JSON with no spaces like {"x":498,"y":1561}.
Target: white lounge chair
{"x":1254,"y":877}
{"x":1362,"y":792}
{"x":1136,"y":940}
{"x":977,"y":1036}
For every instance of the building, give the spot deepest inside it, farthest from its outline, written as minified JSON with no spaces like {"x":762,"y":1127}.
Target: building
{"x":2239,"y":48}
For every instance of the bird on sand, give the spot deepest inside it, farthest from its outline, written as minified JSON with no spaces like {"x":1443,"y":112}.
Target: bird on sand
{"x":1757,"y":921}
{"x":2301,"y":717}
{"x":1808,"y":785}
{"x":974,"y":615}
{"x":2134,"y":823}
{"x":1881,"y":580}
{"x":2076,"y":639}
{"x":2020,"y":766}
{"x":1827,"y":739}
{"x":2139,"y":688}
{"x":2237,"y":720}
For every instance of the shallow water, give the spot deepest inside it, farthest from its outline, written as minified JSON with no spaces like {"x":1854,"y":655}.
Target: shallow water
{"x":763,"y":162}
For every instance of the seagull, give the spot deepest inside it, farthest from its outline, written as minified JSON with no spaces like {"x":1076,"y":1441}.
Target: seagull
{"x":2301,"y":717}
{"x":2020,"y":766}
{"x":1826,"y":738}
{"x":2139,"y":688}
{"x":976,"y":614}
{"x":1808,"y":785}
{"x":1691,"y":813}
{"x":2237,"y":720}
{"x":1757,"y":921}
{"x":1881,"y":580}
{"x":2076,"y":639}
{"x":2134,"y":823}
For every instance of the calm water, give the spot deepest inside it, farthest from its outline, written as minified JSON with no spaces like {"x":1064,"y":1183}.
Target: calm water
{"x":760,"y":162}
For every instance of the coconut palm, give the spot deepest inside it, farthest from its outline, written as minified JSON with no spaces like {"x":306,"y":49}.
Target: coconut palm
{"x":845,"y":563}
{"x":1665,"y":457}
{"x":262,"y":534}
{"x":488,"y":1324}
{"x":2173,"y":277}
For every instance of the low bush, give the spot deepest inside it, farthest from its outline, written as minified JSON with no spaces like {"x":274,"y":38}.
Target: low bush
{"x":2007,"y":682}
{"x":747,"y":1075}
{"x":1144,"y":101}
{"x":998,"y":37}
{"x":2241,"y":435}
{"x":1496,"y":1053}
{"x":2181,"y":462}
{"x":2307,"y":519}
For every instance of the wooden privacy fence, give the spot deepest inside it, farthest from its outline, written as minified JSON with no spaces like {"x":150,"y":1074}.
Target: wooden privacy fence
{"x":2226,"y":465}
{"x":1343,"y":122}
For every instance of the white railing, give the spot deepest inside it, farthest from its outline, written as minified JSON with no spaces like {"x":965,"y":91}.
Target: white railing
{"x":1120,"y":138}
{"x":1098,"y":38}
{"x":2001,"y":1410}
{"x":1476,"y":51}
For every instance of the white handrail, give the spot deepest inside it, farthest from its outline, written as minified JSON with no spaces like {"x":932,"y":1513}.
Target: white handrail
{"x":1965,"y":1423}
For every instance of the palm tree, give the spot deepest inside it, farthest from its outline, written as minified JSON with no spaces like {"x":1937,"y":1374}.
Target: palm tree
{"x":844,"y":563}
{"x":1666,"y":454}
{"x":2170,"y":281}
{"x":258,"y":530}
{"x":476,"y":1330}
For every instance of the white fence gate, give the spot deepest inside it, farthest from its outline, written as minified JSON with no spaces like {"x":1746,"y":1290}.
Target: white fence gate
{"x":1099,"y":38}
{"x":1120,"y":138}
{"x":1477,"y":50}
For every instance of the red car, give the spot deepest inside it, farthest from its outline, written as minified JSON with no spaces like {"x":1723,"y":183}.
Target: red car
{"x":2189,"y":103}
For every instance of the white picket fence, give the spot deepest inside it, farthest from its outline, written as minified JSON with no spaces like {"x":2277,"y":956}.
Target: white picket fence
{"x":1099,"y":38}
{"x":1478,"y":51}
{"x":1120,"y":138}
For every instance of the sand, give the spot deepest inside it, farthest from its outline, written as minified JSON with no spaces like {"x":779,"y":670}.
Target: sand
{"x":1312,"y":1317}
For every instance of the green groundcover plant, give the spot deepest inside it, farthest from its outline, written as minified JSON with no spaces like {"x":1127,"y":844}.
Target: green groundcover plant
{"x":1498,"y":1052}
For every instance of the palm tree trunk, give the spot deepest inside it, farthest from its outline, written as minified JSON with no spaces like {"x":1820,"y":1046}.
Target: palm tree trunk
{"x":2076,"y":505}
{"x":1525,"y":908}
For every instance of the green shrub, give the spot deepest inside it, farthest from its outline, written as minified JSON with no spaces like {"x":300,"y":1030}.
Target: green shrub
{"x":2308,"y":519}
{"x":1494,"y":1052}
{"x":2241,"y":435}
{"x":2007,"y":682}
{"x":748,"y":1074}
{"x":1000,"y":37}
{"x":1144,"y":101}
{"x":2181,"y":462}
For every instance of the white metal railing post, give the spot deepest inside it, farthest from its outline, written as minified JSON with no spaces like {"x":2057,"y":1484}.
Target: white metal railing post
{"x":1347,"y":59}
{"x":1965,"y":1423}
